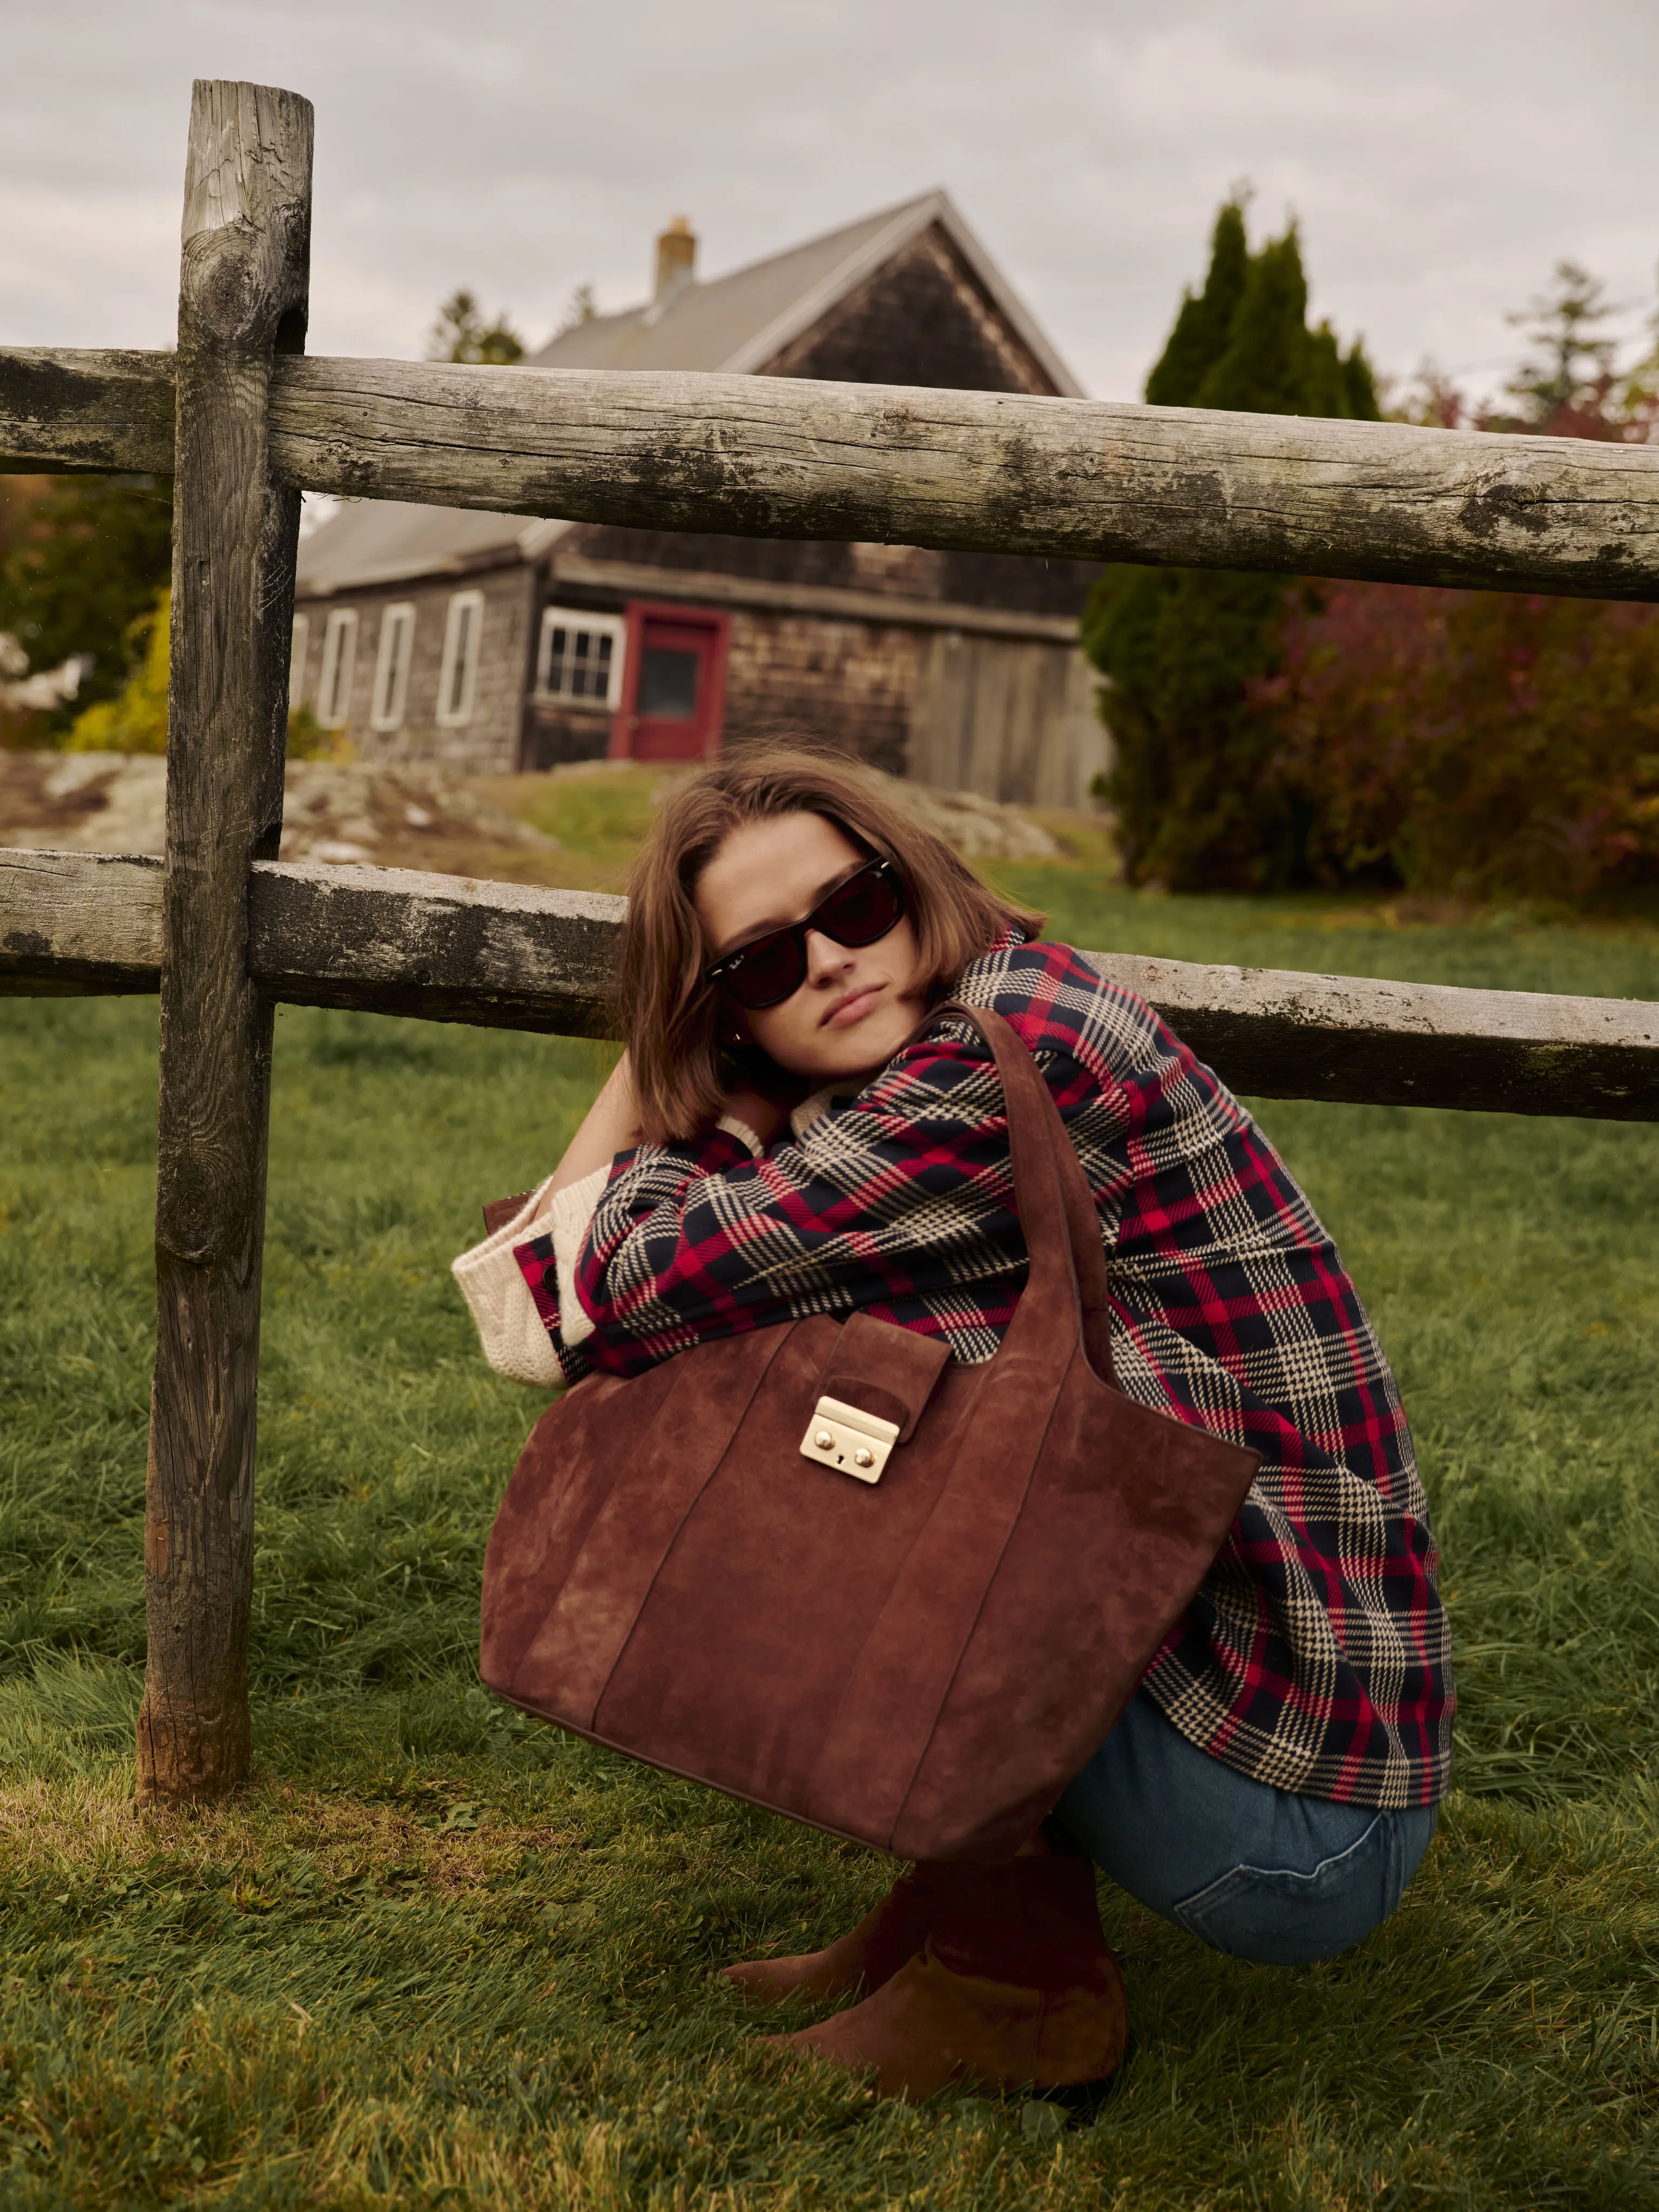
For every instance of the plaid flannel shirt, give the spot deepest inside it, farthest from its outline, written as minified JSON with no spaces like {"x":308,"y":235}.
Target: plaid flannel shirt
{"x":1316,"y":1656}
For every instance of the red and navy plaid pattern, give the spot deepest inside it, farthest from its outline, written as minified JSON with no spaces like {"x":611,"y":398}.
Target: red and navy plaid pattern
{"x":1316,"y":1656}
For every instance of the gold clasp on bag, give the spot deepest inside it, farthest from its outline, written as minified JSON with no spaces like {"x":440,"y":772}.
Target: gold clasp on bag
{"x":843,"y":1437}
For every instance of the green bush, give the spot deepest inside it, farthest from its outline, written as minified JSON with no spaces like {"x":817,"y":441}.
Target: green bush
{"x":136,"y":719}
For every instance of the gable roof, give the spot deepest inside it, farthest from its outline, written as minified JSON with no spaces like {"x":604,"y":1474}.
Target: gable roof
{"x":735,"y":323}
{"x":740,"y":323}
{"x":704,"y":323}
{"x":377,"y":541}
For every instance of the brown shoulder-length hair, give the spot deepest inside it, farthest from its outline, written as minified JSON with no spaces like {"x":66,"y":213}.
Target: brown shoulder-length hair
{"x":669,"y":1013}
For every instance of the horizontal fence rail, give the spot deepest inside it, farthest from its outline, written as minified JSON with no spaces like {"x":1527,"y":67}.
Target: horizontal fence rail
{"x":104,"y":412}
{"x":510,"y":956}
{"x":780,"y":457}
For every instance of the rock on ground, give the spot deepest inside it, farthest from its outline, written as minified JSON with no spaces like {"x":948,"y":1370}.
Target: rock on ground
{"x":343,"y":813}
{"x":348,"y":813}
{"x":981,"y":828}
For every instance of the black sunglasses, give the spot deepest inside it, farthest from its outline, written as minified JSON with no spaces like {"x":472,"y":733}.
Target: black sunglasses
{"x":768,"y":969}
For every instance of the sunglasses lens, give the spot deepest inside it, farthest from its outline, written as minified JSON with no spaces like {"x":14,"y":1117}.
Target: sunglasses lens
{"x":771,"y":969}
{"x":768,"y":972}
{"x":862,"y":910}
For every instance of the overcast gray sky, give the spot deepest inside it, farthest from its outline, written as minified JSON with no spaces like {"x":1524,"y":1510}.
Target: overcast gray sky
{"x":1440,"y":154}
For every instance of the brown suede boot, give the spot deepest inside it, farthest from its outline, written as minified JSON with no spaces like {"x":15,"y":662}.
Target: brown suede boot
{"x":863,"y":1959}
{"x":1014,"y":1989}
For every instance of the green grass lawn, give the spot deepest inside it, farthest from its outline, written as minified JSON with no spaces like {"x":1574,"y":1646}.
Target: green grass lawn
{"x":438,"y":1954}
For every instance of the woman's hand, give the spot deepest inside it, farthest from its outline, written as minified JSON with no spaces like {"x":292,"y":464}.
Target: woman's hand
{"x":612,"y":1123}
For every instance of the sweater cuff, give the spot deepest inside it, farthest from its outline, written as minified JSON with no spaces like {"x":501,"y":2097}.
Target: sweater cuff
{"x":521,"y":1282}
{"x":514,"y":1322}
{"x":546,"y":1262}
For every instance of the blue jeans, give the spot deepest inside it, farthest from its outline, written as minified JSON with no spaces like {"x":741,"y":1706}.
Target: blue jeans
{"x":1259,"y":1872}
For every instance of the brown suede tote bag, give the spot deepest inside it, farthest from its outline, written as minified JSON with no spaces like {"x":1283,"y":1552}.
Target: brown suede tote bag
{"x":823,"y":1568}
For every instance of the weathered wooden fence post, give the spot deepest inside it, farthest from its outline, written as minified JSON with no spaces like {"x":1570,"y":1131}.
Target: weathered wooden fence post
{"x":241,"y":301}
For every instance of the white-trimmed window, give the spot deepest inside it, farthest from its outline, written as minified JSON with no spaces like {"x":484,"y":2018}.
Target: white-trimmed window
{"x":459,"y":677}
{"x":580,"y":660}
{"x":298,"y":648}
{"x":392,"y":666}
{"x":340,"y":656}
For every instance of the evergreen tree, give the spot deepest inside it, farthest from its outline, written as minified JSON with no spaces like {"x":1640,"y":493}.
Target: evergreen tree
{"x":1566,"y":385}
{"x":1182,"y":648}
{"x":461,"y":333}
{"x":1200,"y":337}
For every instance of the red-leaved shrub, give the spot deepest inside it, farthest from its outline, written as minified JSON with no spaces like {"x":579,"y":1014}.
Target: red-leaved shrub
{"x":1486,"y":745}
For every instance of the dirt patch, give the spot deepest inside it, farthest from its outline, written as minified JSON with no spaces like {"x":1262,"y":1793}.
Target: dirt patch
{"x":84,"y":802}
{"x":346,"y":814}
{"x":406,"y":817}
{"x":576,"y":829}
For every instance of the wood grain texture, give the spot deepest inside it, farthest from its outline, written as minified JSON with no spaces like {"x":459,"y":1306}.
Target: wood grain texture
{"x":63,"y":413}
{"x":499,"y":955}
{"x":242,"y":296}
{"x":776,"y":456}
{"x":997,"y":472}
{"x":512,"y":955}
{"x":76,"y":924}
{"x":1271,"y":1033}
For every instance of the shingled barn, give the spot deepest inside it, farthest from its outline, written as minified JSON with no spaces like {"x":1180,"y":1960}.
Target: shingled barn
{"x":490,"y":642}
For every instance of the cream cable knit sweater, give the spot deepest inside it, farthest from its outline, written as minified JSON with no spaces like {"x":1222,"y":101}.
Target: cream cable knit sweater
{"x":510,"y":1329}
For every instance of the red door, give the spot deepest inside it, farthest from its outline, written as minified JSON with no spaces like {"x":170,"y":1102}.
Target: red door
{"x":673,"y":685}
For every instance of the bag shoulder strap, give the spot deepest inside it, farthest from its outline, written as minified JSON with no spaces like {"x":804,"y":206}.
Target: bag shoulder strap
{"x":1057,"y":1211}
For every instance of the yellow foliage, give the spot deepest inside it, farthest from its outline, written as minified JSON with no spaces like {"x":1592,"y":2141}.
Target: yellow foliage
{"x":308,"y":740}
{"x":136,"y":721}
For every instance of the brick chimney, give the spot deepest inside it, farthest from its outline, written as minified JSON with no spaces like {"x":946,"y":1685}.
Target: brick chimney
{"x":676,"y":258}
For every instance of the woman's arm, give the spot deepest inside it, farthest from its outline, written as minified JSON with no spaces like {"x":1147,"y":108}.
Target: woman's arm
{"x":901,"y":1201}
{"x":609,"y":1126}
{"x":519,"y":1282}
{"x":515,"y":1327}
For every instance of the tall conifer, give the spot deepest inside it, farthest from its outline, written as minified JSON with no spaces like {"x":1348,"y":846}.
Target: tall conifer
{"x":1200,"y":337}
{"x":1182,"y":646}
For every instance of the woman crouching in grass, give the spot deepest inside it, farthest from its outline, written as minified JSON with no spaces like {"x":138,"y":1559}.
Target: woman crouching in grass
{"x":780,"y":1141}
